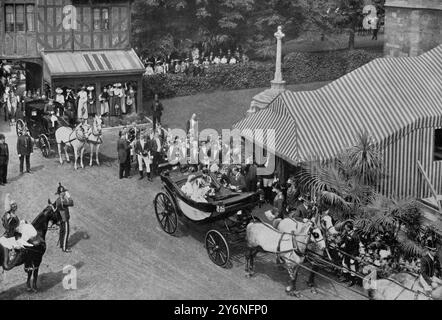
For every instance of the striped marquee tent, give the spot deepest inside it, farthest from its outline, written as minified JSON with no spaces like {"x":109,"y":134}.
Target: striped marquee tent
{"x":398,"y":101}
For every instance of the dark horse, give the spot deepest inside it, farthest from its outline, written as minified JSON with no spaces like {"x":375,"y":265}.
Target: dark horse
{"x":31,"y":257}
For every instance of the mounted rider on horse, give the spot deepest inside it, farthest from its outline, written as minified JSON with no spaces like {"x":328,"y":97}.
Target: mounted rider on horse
{"x":17,"y":234}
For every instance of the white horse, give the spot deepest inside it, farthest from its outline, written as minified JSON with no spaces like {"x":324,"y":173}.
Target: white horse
{"x":290,"y":246}
{"x":77,"y":138}
{"x":402,"y":286}
{"x":290,"y":225}
{"x":94,"y":138}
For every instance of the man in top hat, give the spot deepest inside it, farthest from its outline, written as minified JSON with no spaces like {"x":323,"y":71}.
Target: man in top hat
{"x":50,"y":111}
{"x":157,"y":111}
{"x":25,"y":147}
{"x":123,"y":149}
{"x":62,"y":204}
{"x":4,"y":159}
{"x":430,"y":268}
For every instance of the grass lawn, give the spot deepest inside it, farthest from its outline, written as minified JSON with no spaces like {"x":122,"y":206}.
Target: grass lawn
{"x":312,"y":42}
{"x":217,"y":110}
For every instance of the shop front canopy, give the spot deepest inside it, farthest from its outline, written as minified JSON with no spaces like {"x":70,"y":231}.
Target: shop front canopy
{"x":91,"y":63}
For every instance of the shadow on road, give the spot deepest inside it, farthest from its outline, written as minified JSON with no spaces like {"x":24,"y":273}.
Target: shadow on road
{"x":77,"y":237}
{"x":33,"y":169}
{"x":46,"y":281}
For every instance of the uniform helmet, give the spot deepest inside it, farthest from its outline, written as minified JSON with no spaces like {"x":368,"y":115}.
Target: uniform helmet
{"x":13,"y":205}
{"x":60,"y":189}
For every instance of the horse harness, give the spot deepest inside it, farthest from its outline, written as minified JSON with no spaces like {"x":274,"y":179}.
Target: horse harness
{"x":85,"y":140}
{"x":416,"y":293}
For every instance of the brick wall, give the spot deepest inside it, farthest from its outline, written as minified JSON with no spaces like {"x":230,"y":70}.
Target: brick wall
{"x":412,"y":27}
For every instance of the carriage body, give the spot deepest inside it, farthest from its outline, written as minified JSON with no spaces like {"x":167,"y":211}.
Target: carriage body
{"x":37,"y":123}
{"x":226,"y":214}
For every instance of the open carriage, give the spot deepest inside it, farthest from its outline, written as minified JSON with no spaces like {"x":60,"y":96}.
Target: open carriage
{"x":39,"y":125}
{"x":227,"y":214}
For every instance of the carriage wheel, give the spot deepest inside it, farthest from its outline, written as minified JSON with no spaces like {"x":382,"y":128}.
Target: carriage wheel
{"x":217,"y":248}
{"x":166,"y":213}
{"x":20,"y":127}
{"x":44,"y":144}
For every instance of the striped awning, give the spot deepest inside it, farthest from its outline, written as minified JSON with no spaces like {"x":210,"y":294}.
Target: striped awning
{"x":85,"y":63}
{"x":388,"y":98}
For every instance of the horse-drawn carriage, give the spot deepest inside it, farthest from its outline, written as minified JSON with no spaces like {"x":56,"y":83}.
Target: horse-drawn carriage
{"x":39,"y":124}
{"x":227,"y":213}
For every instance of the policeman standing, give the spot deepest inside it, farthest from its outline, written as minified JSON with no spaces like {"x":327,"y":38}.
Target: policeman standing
{"x":62,"y":204}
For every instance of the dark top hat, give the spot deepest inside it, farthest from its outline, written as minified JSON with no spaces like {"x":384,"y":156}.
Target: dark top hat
{"x":60,"y":189}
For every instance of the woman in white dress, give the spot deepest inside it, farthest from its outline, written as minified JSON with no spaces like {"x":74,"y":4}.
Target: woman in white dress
{"x":82,"y":105}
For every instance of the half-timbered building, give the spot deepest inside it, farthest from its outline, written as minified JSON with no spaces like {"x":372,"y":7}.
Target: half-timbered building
{"x":71,"y":42}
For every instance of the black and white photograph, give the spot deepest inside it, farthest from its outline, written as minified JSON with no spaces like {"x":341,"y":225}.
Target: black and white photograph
{"x":238,"y":152}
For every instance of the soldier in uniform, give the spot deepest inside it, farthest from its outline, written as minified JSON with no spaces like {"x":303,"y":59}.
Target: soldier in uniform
{"x":10,"y":220}
{"x":62,"y":204}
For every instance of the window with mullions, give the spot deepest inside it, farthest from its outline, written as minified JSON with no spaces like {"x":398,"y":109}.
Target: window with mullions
{"x":9,"y":18}
{"x":101,"y":19}
{"x":437,"y":154}
{"x":105,"y":19}
{"x":30,"y":18}
{"x":19,"y":17}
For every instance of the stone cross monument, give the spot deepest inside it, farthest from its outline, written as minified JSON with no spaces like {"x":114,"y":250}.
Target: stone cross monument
{"x":262,"y":100}
{"x":278,"y":83}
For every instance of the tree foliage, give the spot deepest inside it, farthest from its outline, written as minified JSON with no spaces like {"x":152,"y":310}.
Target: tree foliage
{"x":164,"y":26}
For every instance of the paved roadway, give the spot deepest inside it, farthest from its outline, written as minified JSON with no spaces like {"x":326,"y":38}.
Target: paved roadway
{"x":119,"y":250}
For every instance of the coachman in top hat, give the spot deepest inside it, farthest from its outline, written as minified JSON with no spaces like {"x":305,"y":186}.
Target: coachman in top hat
{"x":62,"y":204}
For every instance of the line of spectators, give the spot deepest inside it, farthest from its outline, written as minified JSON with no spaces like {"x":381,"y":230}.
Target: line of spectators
{"x":195,"y":64}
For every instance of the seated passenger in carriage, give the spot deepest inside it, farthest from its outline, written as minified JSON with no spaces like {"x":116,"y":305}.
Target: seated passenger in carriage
{"x":200,"y":191}
{"x":51,"y":111}
{"x":278,"y":211}
{"x":237,"y":180}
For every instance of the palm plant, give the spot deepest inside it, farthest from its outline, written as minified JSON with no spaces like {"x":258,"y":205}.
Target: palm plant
{"x":400,"y":218}
{"x":348,"y":186}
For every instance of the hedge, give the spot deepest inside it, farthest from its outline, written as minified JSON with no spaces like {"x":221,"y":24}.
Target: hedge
{"x":298,"y":67}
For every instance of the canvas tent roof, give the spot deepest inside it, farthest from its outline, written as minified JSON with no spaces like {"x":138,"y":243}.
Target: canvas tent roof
{"x":387,"y":97}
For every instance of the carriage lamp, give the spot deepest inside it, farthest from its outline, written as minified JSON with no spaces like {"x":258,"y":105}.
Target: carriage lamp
{"x":220,"y":208}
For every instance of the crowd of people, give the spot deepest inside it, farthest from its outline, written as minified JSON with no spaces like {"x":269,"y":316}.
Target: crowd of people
{"x":114,"y":100}
{"x":195,"y":63}
{"x":358,"y":253}
{"x":73,"y":105}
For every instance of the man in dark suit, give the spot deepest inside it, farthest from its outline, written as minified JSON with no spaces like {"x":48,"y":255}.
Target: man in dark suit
{"x":251,"y":177}
{"x":4,"y":159}
{"x":237,"y":180}
{"x":155,"y":151}
{"x":157,"y":111}
{"x":63,"y":202}
{"x":25,"y":147}
{"x":302,"y":212}
{"x":123,"y":149}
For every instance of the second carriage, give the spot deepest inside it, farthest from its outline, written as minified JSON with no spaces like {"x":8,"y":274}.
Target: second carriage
{"x":226,"y":214}
{"x":39,"y":124}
